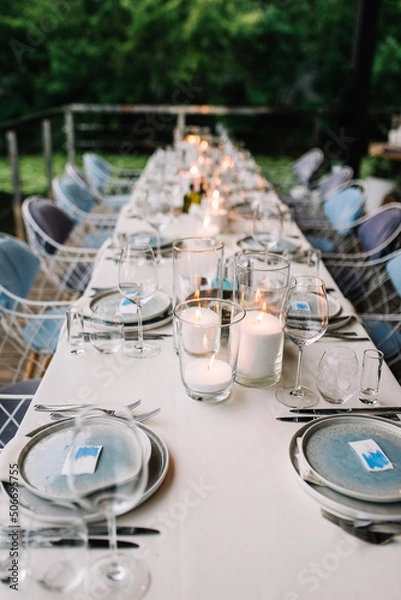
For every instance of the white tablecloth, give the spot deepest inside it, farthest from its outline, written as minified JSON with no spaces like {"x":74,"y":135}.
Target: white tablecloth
{"x":236,"y":521}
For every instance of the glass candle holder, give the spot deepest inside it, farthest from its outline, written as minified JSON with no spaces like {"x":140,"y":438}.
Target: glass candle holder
{"x":261,"y":281}
{"x":208,"y":335}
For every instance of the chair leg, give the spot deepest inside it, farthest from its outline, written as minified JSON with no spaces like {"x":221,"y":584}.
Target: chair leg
{"x":31,"y":365}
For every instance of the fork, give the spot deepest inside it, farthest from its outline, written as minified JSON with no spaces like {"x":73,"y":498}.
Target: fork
{"x":139,"y":418}
{"x":61,"y":408}
{"x":379,"y":532}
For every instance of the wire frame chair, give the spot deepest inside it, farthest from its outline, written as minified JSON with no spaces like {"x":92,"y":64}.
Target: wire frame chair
{"x":111,"y":203}
{"x":31,"y":312}
{"x":80,"y":204}
{"x":298,"y":173}
{"x":105,"y":178}
{"x":319,"y":216}
{"x":374,"y":288}
{"x":60,"y":245}
{"x":376,"y":234}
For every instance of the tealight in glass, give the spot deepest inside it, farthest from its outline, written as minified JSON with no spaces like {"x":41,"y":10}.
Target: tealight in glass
{"x":208,"y":333}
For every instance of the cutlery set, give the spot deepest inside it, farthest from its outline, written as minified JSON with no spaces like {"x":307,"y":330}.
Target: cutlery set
{"x":304,"y":415}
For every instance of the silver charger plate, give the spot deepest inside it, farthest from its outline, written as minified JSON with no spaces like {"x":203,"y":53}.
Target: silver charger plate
{"x":47,"y":511}
{"x":283,"y":245}
{"x":335,"y":501}
{"x":155,"y":313}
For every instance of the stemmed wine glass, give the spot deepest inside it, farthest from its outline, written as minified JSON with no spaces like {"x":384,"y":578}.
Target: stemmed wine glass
{"x":138,"y":283}
{"x":106,"y":474}
{"x":304,"y":320}
{"x":159,"y":214}
{"x":267,"y":223}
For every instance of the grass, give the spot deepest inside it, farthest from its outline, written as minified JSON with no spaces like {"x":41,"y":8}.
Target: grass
{"x":33,"y":176}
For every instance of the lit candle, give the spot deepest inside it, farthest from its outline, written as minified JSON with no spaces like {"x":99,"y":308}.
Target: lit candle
{"x":208,"y":376}
{"x":218,"y":215}
{"x":261,"y":345}
{"x":208,"y":228}
{"x":199,"y":329}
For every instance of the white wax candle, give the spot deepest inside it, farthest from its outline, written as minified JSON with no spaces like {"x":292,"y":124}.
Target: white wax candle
{"x":199,"y":340}
{"x":261,"y":344}
{"x":206,"y":376}
{"x":208,"y":228}
{"x":219,"y":218}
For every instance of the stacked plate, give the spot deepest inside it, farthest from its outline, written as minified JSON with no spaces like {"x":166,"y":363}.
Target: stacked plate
{"x":155,"y":313}
{"x":43,"y":489}
{"x":351,"y":464}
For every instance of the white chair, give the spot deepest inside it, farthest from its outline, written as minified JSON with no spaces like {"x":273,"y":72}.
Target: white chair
{"x":107,"y":179}
{"x":109,"y":203}
{"x":59,"y":243}
{"x":374,"y":288}
{"x":31,"y":312}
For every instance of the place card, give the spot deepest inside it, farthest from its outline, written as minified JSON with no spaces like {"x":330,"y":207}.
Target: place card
{"x":84,"y":462}
{"x":371,"y":455}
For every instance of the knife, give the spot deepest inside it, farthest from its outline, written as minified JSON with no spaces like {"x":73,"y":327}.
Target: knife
{"x":92,"y":543}
{"x":101,"y":530}
{"x":335,"y":411}
{"x":308,"y":418}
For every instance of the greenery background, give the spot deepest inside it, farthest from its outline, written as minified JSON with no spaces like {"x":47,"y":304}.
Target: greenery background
{"x":236,"y":52}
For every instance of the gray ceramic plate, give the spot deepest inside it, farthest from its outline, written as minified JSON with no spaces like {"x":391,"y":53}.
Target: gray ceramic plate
{"x":325,"y":447}
{"x":45,"y":510}
{"x":340,"y":503}
{"x":156,"y":309}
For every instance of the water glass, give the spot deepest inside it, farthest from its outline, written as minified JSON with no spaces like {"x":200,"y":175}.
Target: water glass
{"x":106,"y":329}
{"x":197,"y":269}
{"x":75,"y":329}
{"x":54,"y":565}
{"x":208,"y":333}
{"x":372,"y":365}
{"x":337,"y":374}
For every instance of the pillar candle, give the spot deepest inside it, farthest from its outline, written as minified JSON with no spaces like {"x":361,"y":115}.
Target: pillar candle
{"x":261,"y":344}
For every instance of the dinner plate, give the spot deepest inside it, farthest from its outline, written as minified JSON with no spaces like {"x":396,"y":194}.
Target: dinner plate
{"x":158,"y":308}
{"x":334,"y":307}
{"x":283,"y":245}
{"x":337,"y":502}
{"x":329,"y":449}
{"x":47,"y":511}
{"x":338,"y":323}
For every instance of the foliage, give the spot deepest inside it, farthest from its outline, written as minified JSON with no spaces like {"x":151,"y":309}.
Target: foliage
{"x":257,"y":52}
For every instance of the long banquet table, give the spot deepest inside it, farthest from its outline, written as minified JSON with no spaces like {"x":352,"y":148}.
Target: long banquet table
{"x":236,"y":521}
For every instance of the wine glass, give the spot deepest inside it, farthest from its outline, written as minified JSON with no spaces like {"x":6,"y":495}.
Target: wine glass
{"x":159,"y":214}
{"x":107,"y":474}
{"x":138,"y":283}
{"x":267,"y":223}
{"x":304,"y":320}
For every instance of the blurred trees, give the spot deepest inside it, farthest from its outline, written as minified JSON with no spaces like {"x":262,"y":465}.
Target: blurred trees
{"x":235,"y":52}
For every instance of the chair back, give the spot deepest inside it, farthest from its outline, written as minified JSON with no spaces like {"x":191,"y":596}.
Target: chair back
{"x":307,"y":165}
{"x":345,"y":206}
{"x":18,"y":270}
{"x":74,"y":199}
{"x":50,"y":224}
{"x":75,"y":173}
{"x":381,"y":230}
{"x":97,"y":171}
{"x":329,"y":184}
{"x":394,"y":272}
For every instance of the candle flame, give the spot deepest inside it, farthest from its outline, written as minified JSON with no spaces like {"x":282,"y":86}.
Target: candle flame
{"x":193,"y":169}
{"x":215,"y":204}
{"x":259,"y":318}
{"x":206,"y":222}
{"x":211,"y":361}
{"x":197,"y":295}
{"x":198,"y":315}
